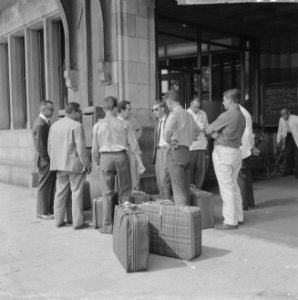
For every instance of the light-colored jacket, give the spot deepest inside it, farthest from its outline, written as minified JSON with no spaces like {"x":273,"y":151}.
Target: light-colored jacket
{"x":67,"y":146}
{"x":248,"y":138}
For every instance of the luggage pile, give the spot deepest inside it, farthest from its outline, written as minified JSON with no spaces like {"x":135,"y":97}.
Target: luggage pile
{"x":147,"y":224}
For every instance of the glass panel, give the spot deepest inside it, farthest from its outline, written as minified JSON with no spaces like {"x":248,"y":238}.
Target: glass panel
{"x":205,"y":79}
{"x":164,"y":86}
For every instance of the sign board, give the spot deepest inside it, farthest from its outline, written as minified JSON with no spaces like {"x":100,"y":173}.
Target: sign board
{"x":196,"y":2}
{"x":276,"y":96}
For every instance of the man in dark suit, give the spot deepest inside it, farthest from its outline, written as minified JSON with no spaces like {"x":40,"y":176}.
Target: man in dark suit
{"x":46,"y":182}
{"x":160,"y":151}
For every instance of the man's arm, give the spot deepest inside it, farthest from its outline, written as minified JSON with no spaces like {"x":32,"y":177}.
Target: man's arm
{"x":50,"y":141}
{"x":80,"y":141}
{"x":218,"y":124}
{"x":41,"y":142}
{"x":170,"y":127}
{"x":95,"y":146}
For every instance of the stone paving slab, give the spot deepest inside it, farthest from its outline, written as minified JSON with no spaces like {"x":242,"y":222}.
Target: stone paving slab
{"x":257,"y":261}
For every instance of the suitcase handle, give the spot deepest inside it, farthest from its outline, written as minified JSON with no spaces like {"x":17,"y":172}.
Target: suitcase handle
{"x":130,"y":208}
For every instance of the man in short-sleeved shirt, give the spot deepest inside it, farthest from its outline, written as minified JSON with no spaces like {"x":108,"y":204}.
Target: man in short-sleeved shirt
{"x":227,"y":130}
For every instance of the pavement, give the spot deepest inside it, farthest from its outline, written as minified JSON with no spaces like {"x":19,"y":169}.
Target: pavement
{"x":257,"y":261}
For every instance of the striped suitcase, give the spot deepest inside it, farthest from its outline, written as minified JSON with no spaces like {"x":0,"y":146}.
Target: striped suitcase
{"x":203,"y":200}
{"x":131,"y":237}
{"x":175,"y":231}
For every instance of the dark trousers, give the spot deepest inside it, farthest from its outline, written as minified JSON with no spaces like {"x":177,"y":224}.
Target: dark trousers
{"x":245,"y":184}
{"x":197,"y":167}
{"x":114,"y":164}
{"x":45,"y":192}
{"x":179,"y":170}
{"x":290,"y":155}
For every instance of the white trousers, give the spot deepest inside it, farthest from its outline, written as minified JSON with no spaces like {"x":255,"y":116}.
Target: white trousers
{"x":227,"y":164}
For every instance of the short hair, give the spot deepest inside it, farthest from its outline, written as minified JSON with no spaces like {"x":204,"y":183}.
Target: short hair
{"x":195,"y":99}
{"x":233,"y":94}
{"x":110,"y":102}
{"x":285,"y":109}
{"x":44,"y":104}
{"x":160,"y":103}
{"x":173,"y":95}
{"x":122,"y":105}
{"x":72,"y":107}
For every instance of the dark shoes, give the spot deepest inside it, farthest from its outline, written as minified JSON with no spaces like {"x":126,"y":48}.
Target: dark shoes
{"x":45,"y":217}
{"x":240,"y":222}
{"x":106,"y":230}
{"x":83,"y":226}
{"x":287,"y":173}
{"x":223,"y":226}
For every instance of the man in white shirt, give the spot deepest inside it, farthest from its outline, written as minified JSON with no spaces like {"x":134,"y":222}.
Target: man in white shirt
{"x":199,"y":146}
{"x":124,"y":109}
{"x":287,"y":140}
{"x":247,"y":148}
{"x":160,"y":151}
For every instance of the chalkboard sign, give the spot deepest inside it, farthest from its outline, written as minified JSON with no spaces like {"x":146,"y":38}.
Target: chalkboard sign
{"x":276,"y":96}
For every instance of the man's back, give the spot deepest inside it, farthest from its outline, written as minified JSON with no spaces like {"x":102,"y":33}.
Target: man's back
{"x":67,"y":146}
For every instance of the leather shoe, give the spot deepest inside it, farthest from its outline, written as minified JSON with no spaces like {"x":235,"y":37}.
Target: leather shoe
{"x":61,"y":224}
{"x":83,"y":226}
{"x":240,"y":222}
{"x":224,"y":226}
{"x":106,"y":230}
{"x":45,"y":217}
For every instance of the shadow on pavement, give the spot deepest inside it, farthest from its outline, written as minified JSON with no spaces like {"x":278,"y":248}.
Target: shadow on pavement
{"x":159,"y":263}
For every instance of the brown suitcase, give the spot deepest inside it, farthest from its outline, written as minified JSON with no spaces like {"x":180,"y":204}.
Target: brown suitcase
{"x":203,"y":200}
{"x":131,"y":237}
{"x":175,"y":231}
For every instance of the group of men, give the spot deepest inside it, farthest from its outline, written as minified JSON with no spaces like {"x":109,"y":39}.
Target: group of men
{"x":179,"y":156}
{"x":63,"y":160}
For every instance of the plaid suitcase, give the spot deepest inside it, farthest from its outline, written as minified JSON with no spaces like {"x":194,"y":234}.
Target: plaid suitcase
{"x":174,"y":230}
{"x":203,"y":200}
{"x":131,"y":237}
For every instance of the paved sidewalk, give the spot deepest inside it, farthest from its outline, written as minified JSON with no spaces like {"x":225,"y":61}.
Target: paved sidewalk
{"x":257,"y":261}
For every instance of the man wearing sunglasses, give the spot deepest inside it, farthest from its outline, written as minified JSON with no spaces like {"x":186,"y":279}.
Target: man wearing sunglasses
{"x":160,"y":151}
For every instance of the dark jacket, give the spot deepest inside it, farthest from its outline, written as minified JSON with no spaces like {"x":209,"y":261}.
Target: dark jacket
{"x":155,"y":141}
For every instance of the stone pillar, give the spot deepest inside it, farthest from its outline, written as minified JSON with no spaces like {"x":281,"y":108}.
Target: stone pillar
{"x":4,"y":88}
{"x":17,"y":85}
{"x":136,"y":55}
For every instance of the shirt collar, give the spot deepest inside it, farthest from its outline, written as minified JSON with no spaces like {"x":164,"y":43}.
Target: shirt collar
{"x":44,"y":118}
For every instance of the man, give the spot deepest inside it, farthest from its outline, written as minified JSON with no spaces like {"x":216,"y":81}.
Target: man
{"x":287,"y":140}
{"x":124,"y":109}
{"x":227,"y":130}
{"x":199,"y":146}
{"x":179,"y":132}
{"x":247,"y":149}
{"x":112,"y":138}
{"x":46,"y":178}
{"x":160,"y":151}
{"x":69,"y":157}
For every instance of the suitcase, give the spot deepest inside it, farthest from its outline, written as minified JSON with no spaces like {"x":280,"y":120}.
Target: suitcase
{"x":97,"y":210}
{"x":203,"y":200}
{"x":175,"y":231}
{"x":131,"y":237}
{"x":86,"y":196}
{"x":139,"y":197}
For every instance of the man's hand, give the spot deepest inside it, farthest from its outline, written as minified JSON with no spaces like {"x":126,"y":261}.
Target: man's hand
{"x":142,"y":169}
{"x":173,"y":145}
{"x":255,"y":151}
{"x":214,"y":135}
{"x":87,"y":168}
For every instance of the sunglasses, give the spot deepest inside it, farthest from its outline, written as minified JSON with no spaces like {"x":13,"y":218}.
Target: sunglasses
{"x":154,"y":109}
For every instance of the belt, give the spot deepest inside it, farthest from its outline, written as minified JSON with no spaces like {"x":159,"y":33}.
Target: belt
{"x":113,"y":152}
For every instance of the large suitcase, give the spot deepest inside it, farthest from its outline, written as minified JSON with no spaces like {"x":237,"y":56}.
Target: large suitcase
{"x":175,"y":231}
{"x":131,"y":237}
{"x":203,"y":200}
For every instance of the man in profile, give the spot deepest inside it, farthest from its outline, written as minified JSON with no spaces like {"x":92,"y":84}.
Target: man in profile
{"x":199,"y":146}
{"x":228,"y":130}
{"x":160,"y":151}
{"x":69,"y":157}
{"x":179,"y":132}
{"x":112,"y":138}
{"x":46,"y":178}
{"x":287,"y":140}
{"x":124,"y":109}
